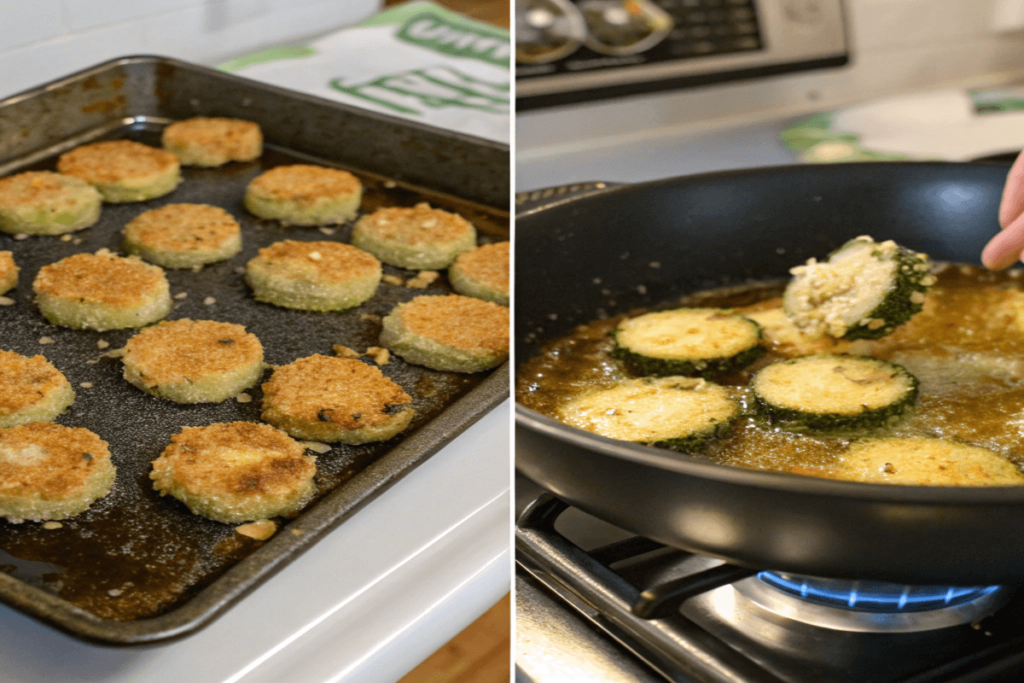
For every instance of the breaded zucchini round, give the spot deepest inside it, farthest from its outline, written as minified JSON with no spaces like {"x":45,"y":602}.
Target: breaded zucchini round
{"x":47,"y":203}
{"x":833,"y":392}
{"x":212,"y":141}
{"x":31,"y":390}
{"x":452,"y":333}
{"x":693,"y":342}
{"x":235,"y":471}
{"x":864,"y":291}
{"x":183,"y":235}
{"x":123,"y":170}
{"x":926,"y":462}
{"x":331,"y":399}
{"x":305,"y":195}
{"x":102,"y":291}
{"x":49,"y":471}
{"x":420,"y":237}
{"x":681,"y":413}
{"x":313,"y":276}
{"x":193,"y":361}
{"x":8,"y":272}
{"x":482,"y":273}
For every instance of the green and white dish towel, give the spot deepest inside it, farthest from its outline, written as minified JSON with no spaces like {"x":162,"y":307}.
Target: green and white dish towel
{"x":418,"y":61}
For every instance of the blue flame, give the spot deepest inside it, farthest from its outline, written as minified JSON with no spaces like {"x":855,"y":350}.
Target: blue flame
{"x":868,"y":596}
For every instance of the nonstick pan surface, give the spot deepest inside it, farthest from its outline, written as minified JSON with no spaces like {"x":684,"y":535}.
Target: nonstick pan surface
{"x":639,"y":245}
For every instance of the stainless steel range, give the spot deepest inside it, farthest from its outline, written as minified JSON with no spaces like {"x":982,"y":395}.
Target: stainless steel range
{"x":595,"y":603}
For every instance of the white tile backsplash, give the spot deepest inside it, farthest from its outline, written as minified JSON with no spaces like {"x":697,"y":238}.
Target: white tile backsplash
{"x":46,"y":39}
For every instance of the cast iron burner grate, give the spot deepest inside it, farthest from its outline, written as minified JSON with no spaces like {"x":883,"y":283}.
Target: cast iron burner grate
{"x":691,"y":618}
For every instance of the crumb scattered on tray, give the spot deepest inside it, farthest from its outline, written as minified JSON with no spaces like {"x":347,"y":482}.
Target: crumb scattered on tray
{"x":6,"y":301}
{"x":423,"y":280}
{"x":260,"y":530}
{"x":47,"y":340}
{"x":391,"y":279}
{"x":209,"y":301}
{"x":86,"y":385}
{"x":102,"y":344}
{"x":344,"y":351}
{"x":316,"y":446}
{"x":243,"y":398}
{"x":379,"y":355}
{"x":180,"y":295}
{"x":52,"y":525}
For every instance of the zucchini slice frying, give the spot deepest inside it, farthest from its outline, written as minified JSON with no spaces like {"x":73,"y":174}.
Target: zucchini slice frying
{"x":864,"y":291}
{"x":691,"y":342}
{"x":681,"y":413}
{"x":926,"y":462}
{"x":833,"y":392}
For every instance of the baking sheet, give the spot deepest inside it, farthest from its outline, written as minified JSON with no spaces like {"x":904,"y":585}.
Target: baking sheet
{"x":137,"y":567}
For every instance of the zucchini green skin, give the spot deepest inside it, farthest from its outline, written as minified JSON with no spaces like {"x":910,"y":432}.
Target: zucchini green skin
{"x":792,"y":419}
{"x":698,"y":440}
{"x":897,"y":307}
{"x":707,"y":368}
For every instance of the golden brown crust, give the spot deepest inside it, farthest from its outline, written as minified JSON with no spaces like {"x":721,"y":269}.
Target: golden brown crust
{"x":458,"y":321}
{"x":37,"y":189}
{"x":239,"y":458}
{"x":417,"y":225}
{"x":8,"y":271}
{"x":342,"y":391}
{"x":102,"y":277}
{"x":174,"y":351}
{"x":183,"y":227}
{"x":51,"y":460}
{"x":232,"y":139}
{"x":487,"y":265}
{"x":24,"y":381}
{"x":322,"y":261}
{"x":115,"y":161}
{"x":304,"y":182}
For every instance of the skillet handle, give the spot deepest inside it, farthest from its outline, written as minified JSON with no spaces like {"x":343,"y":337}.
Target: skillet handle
{"x":536,"y":199}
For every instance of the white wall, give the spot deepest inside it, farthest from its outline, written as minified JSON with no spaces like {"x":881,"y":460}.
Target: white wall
{"x":896,"y":46}
{"x":41,"y":40}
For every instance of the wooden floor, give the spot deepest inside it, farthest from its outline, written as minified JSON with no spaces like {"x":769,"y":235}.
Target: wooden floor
{"x":480,"y":654}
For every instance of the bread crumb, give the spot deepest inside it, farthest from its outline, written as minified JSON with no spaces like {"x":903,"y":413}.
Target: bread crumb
{"x":115,"y":592}
{"x":315,"y":256}
{"x":379,"y":355}
{"x":86,"y":385}
{"x":392,"y":280}
{"x":76,"y":241}
{"x":344,"y":351}
{"x":328,"y":231}
{"x":196,"y":268}
{"x":209,"y":301}
{"x":316,"y":446}
{"x":370,"y":317}
{"x":296,"y":532}
{"x":390,"y":184}
{"x":423,"y":279}
{"x":6,"y":301}
{"x":180,"y":295}
{"x":47,"y":340}
{"x":260,"y":530}
{"x":52,"y":525}
{"x":65,"y":238}
{"x":102,"y":344}
{"x":243,"y":398}
{"x":21,"y":236}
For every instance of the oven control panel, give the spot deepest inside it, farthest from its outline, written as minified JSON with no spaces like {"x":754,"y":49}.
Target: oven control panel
{"x":570,"y":51}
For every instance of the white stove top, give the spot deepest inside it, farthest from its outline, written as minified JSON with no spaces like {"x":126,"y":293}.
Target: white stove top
{"x":367,"y":603}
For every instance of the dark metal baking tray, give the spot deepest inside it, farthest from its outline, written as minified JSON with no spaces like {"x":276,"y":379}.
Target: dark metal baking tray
{"x":137,"y":568}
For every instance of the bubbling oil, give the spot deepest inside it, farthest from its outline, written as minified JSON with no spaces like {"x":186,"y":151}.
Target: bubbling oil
{"x":966,"y":348}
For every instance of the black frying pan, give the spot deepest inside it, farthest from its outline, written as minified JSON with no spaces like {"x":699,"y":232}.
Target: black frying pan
{"x":579,"y":257}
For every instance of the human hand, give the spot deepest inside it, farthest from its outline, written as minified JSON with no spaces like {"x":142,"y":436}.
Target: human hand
{"x":1003,"y":250}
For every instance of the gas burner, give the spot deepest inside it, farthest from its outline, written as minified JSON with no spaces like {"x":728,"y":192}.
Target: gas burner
{"x":695,"y":619}
{"x":869,"y":606}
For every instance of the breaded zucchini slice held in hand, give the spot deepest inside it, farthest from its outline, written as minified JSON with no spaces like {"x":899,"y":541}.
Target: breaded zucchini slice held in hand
{"x":833,"y":392}
{"x":925,"y":462}
{"x":864,"y":291}
{"x":102,"y":291}
{"x":692,"y":342}
{"x":49,"y":471}
{"x":681,"y":413}
{"x":47,"y":203}
{"x":236,"y":472}
{"x":193,"y":361}
{"x":31,"y":390}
